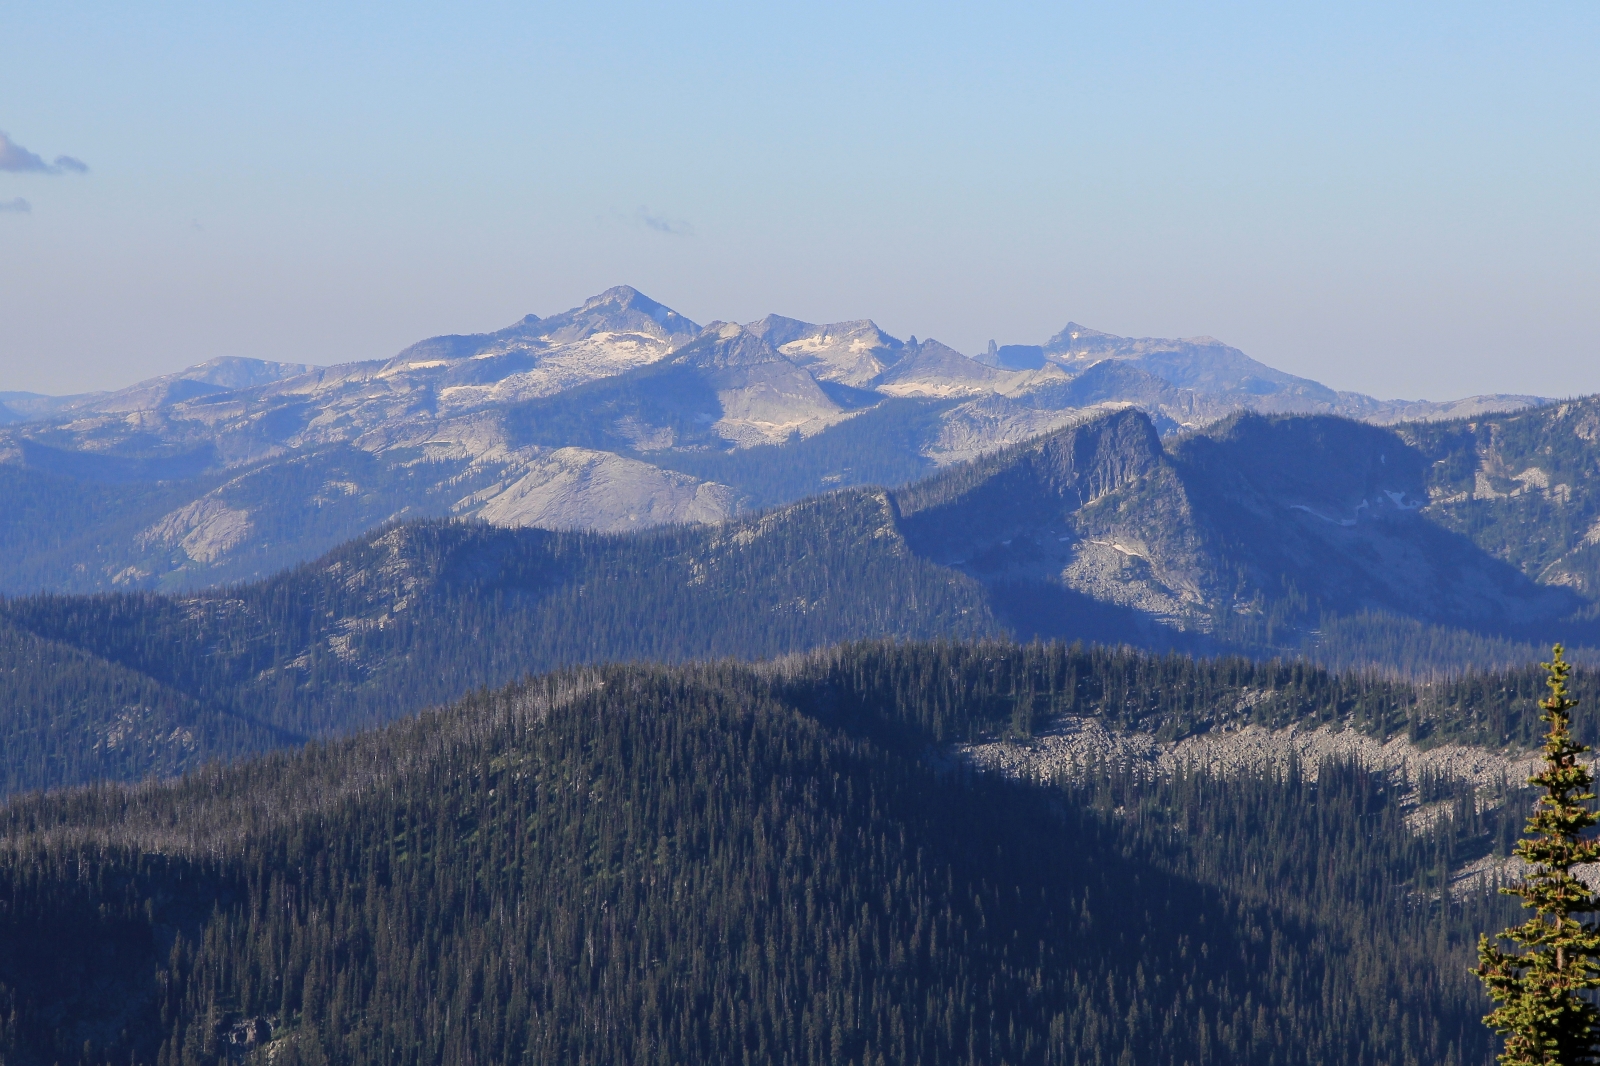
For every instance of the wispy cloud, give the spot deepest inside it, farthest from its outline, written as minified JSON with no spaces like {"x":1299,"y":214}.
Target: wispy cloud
{"x":19,"y":205}
{"x":677,"y":227}
{"x":15,"y":158}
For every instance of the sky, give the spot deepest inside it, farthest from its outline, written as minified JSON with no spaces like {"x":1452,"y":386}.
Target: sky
{"x":1401,"y":199}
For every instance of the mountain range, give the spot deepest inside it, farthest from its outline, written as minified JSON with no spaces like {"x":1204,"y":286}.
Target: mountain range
{"x":1417,"y":550}
{"x":616,"y":415}
{"x":611,"y":688}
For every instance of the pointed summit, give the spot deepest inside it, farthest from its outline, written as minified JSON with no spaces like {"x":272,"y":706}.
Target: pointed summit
{"x":934,"y":369}
{"x":777,"y":330}
{"x":608,"y":334}
{"x":1076,"y":338}
{"x":622,"y":309}
{"x":727,"y":344}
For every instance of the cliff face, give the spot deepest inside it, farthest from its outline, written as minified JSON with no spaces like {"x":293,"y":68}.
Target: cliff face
{"x":1262,"y":518}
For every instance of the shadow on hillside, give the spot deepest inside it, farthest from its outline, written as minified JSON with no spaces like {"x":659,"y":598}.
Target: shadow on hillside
{"x":1044,"y":611}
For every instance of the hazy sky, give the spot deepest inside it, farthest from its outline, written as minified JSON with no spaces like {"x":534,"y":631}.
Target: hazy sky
{"x":1398,"y":198}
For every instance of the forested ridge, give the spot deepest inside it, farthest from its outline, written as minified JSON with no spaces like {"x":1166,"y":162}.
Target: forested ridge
{"x":130,"y":685}
{"x":1203,"y":550}
{"x":748,"y":863}
{"x":424,"y":613}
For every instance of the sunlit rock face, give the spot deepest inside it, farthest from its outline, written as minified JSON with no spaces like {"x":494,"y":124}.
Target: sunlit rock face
{"x":616,"y":414}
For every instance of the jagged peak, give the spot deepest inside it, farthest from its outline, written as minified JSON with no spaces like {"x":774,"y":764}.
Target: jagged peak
{"x":778,"y":330}
{"x":630,"y":298}
{"x":723,"y":344}
{"x":1074,"y":334}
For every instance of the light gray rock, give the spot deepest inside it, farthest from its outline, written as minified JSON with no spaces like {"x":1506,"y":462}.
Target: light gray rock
{"x":936,"y":370}
{"x":205,"y":530}
{"x":764,"y":398}
{"x":575,"y":488}
{"x":851,"y":353}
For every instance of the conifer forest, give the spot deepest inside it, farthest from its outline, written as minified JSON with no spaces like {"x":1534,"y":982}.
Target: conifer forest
{"x":774,"y":863}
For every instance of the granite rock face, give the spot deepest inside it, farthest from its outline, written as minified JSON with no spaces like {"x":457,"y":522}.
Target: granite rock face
{"x":614,"y":414}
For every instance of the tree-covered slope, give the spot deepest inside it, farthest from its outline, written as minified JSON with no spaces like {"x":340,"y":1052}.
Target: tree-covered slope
{"x":68,"y":716}
{"x":1286,"y":537}
{"x":720,"y":863}
{"x":423,"y":613}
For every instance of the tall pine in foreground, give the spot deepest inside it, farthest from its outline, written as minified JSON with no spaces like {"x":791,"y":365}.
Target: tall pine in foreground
{"x":1542,"y":1014}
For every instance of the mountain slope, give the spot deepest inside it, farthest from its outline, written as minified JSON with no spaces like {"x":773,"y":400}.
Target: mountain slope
{"x":936,"y":370}
{"x":213,"y":376}
{"x":1225,"y":375}
{"x":68,"y":716}
{"x":1301,"y":536}
{"x":421,"y":613}
{"x":1199,"y":363}
{"x":270,"y":464}
{"x":575,"y":488}
{"x":1257,"y":533}
{"x":851,"y":353}
{"x":1525,"y":487}
{"x":762,"y":398}
{"x":721,"y":864}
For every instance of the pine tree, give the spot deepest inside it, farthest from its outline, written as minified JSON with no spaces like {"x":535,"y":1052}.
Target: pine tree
{"x":1542,"y":1014}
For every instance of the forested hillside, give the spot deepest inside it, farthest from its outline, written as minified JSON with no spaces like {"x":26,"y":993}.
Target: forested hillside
{"x":1267,"y":538}
{"x":726,"y":863}
{"x":424,"y":613}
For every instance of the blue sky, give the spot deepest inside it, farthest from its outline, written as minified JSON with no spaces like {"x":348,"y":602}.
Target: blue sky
{"x":1400,"y":199}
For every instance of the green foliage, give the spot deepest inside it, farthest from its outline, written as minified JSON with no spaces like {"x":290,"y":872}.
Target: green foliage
{"x":1372,"y":640}
{"x":1545,"y":1019}
{"x":69,"y":717}
{"x":721,"y":863}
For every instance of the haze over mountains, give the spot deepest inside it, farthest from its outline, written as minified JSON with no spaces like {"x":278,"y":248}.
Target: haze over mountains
{"x":1433,"y":548}
{"x":1063,"y":491}
{"x":263,"y":576}
{"x":616,"y":415}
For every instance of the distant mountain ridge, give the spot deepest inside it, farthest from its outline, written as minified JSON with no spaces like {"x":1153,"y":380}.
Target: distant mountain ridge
{"x":1276,"y":537}
{"x":614,"y":415}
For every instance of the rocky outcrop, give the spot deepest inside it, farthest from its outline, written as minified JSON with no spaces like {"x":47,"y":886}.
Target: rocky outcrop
{"x":763,"y":397}
{"x":852,"y":353}
{"x":574,"y":488}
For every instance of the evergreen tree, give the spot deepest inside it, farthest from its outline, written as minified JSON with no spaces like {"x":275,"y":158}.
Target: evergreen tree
{"x":1542,"y":1013}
